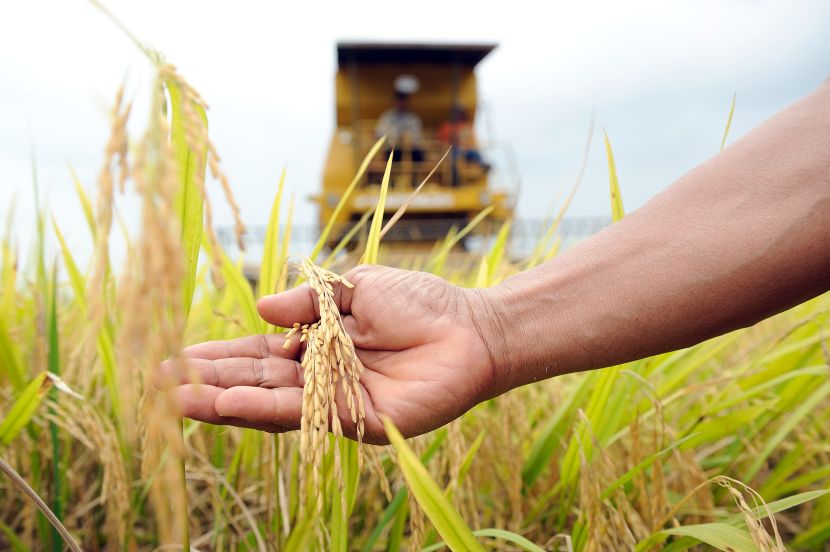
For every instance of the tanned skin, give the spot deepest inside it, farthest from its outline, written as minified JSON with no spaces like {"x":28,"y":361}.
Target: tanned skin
{"x":741,"y":237}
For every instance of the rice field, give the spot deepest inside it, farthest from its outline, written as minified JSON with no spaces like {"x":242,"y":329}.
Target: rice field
{"x":723,"y":445}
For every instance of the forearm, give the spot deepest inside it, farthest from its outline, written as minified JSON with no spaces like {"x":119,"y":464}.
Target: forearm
{"x":741,"y":237}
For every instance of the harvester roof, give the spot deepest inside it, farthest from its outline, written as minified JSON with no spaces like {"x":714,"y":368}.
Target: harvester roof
{"x":411,"y":52}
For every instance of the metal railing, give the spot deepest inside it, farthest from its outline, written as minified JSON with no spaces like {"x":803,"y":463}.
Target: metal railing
{"x":414,"y":161}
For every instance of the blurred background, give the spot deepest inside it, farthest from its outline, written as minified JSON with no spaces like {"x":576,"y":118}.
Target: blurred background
{"x":659,"y":76}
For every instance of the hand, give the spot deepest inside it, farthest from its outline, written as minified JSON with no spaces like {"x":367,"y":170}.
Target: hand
{"x":417,"y":335}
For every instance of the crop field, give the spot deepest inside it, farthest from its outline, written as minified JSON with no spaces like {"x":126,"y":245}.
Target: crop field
{"x":724,"y":445}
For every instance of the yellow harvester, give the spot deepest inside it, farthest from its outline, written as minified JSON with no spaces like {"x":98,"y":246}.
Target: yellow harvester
{"x":441,"y":83}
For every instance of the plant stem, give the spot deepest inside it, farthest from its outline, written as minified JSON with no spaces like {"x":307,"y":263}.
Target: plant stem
{"x":186,"y":512}
{"x":20,"y":482}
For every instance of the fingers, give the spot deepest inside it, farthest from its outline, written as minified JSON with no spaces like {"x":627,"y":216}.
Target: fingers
{"x":254,"y":346}
{"x":300,"y":303}
{"x":282,"y":407}
{"x":272,"y":410}
{"x":231,"y":372}
{"x":197,"y":402}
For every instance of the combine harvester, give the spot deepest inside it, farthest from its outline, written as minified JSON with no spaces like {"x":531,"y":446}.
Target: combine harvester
{"x":436,"y":84}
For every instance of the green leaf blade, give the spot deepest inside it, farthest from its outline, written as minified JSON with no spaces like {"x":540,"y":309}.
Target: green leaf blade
{"x":370,"y":255}
{"x":720,"y":535}
{"x":24,"y":408}
{"x":191,"y":160}
{"x":269,"y":270}
{"x":441,"y":513}
{"x":617,"y":210}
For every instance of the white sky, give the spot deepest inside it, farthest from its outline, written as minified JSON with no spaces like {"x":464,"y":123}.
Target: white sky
{"x":659,"y":74}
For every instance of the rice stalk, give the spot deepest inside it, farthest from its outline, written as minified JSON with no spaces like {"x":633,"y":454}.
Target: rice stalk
{"x":329,"y":358}
{"x":98,"y":435}
{"x":151,"y":290}
{"x":115,"y":159}
{"x":20,"y":482}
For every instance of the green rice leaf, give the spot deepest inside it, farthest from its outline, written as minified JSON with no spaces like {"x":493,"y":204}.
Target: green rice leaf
{"x":86,"y":203}
{"x":521,"y":542}
{"x":370,"y":255}
{"x":239,"y":287}
{"x":717,"y":427}
{"x":617,"y":211}
{"x":554,"y":249}
{"x":728,"y":122}
{"x":508,"y":536}
{"x":347,"y":238}
{"x":784,"y":469}
{"x":542,"y":243}
{"x":440,"y":511}
{"x":733,"y":399}
{"x":629,"y":475}
{"x":324,"y":235}
{"x":405,"y":205}
{"x":470,"y":226}
{"x":388,"y":515}
{"x":105,"y":342}
{"x":496,"y":255}
{"x":814,"y":537}
{"x":8,"y":281}
{"x":437,"y":261}
{"x":286,"y":243}
{"x":544,"y":445}
{"x":24,"y":408}
{"x":10,"y":352}
{"x":301,"y":535}
{"x":398,"y":501}
{"x":720,"y":535}
{"x":788,"y":424}
{"x":482,"y":276}
{"x":191,"y":159}
{"x":779,"y":506}
{"x":12,"y":539}
{"x":339,"y":522}
{"x":76,"y":280}
{"x":809,"y":477}
{"x":53,"y":363}
{"x":395,"y":541}
{"x":468,"y":458}
{"x":269,"y":270}
{"x":598,"y":412}
{"x":10,"y":362}
{"x":440,"y":251}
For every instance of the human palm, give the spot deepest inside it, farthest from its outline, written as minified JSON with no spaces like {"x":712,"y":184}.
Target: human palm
{"x":425,"y":361}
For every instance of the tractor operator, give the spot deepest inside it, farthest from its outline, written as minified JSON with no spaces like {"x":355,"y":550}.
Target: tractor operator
{"x":399,"y":124}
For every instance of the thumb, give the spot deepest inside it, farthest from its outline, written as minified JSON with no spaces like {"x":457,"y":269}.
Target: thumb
{"x":300,"y":305}
{"x":286,"y":308}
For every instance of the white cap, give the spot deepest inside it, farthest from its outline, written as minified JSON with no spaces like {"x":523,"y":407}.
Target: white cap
{"x":407,"y":84}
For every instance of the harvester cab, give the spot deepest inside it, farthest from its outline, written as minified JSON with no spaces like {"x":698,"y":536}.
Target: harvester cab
{"x":423,"y":98}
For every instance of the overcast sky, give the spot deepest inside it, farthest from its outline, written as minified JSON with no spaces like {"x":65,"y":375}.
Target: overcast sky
{"x":660,"y":76}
